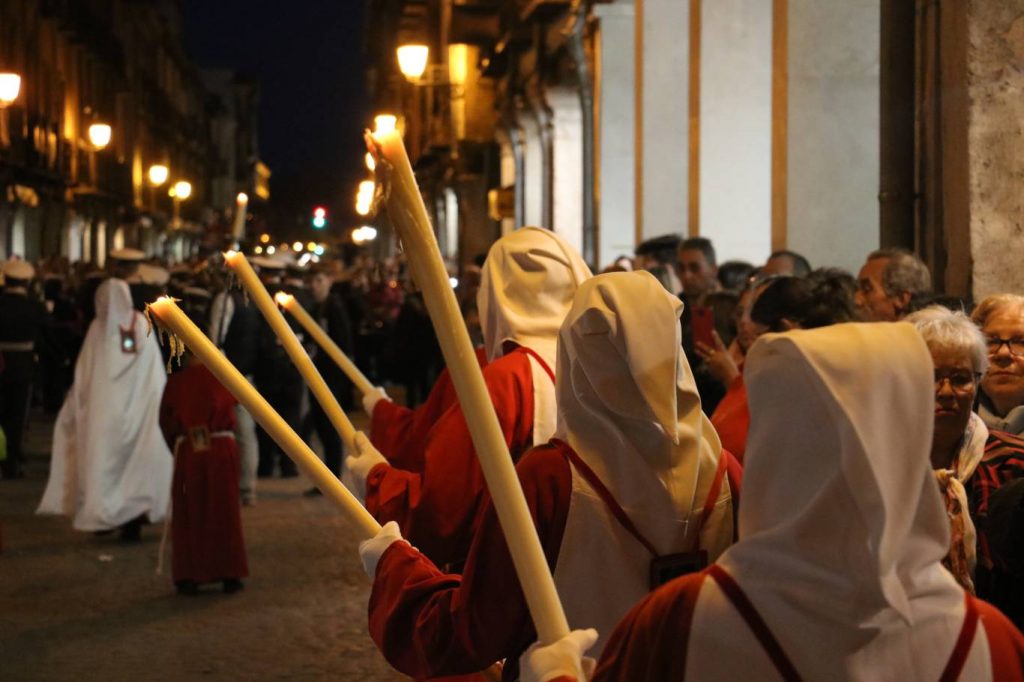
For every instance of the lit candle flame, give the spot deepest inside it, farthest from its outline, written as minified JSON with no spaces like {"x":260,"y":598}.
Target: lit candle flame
{"x":283,"y":299}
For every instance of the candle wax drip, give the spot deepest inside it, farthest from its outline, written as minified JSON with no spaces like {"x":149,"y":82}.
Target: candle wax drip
{"x":174,"y":344}
{"x":381,"y":172}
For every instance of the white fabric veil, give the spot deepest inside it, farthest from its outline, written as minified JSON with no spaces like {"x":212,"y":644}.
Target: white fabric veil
{"x":628,"y":406}
{"x":842,"y":529}
{"x":110,"y":461}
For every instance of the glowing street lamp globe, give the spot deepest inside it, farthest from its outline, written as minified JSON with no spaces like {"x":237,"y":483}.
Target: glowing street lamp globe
{"x":99,"y":135}
{"x":412,"y":60}
{"x":158,"y":174}
{"x":10,"y":86}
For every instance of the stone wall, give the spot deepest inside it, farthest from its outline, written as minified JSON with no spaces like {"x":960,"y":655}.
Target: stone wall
{"x":996,"y":145}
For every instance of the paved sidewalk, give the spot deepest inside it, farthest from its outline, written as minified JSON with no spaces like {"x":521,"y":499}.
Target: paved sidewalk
{"x":78,"y":607}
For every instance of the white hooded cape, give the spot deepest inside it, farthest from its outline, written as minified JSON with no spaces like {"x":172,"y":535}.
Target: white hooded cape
{"x":526,"y":288}
{"x":110,"y":461}
{"x":842,"y":528}
{"x":628,"y":406}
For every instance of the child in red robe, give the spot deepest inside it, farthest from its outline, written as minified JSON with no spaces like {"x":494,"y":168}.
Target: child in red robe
{"x":197,"y":417}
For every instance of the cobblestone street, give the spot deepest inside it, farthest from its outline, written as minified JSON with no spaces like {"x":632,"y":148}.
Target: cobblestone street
{"x":74,"y":606}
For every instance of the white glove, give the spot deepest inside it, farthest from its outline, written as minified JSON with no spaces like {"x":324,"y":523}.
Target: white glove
{"x":371,"y":399}
{"x":360,"y":463}
{"x":564,"y":658}
{"x":370,"y":551}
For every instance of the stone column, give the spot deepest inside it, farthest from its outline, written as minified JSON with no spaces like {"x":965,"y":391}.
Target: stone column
{"x":736,"y":128}
{"x":615,"y":133}
{"x":833,"y":130}
{"x":995,"y":83}
{"x":662,"y":116}
{"x":567,"y":160}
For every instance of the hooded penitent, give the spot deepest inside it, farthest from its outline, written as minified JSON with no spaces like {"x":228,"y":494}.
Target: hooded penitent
{"x":527,"y":285}
{"x":110,"y":461}
{"x":628,"y":406}
{"x":842,"y":528}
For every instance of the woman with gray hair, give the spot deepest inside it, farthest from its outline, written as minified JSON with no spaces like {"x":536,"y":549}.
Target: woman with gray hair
{"x":970,"y":460}
{"x":1001,"y":318}
{"x":958,"y":443}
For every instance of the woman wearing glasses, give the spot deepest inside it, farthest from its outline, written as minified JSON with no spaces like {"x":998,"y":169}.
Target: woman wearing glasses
{"x":1001,"y":319}
{"x":971,"y":461}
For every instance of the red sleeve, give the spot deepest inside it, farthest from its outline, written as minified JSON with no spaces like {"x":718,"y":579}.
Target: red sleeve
{"x":427,"y":623}
{"x":651,"y":641}
{"x":401,"y":433}
{"x":731,"y":418}
{"x":169,"y":425}
{"x":1005,"y":643}
{"x":437,"y":508}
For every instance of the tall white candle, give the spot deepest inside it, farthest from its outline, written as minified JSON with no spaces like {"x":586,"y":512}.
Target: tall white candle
{"x":306,"y":321}
{"x":261,"y":297}
{"x":170,"y":316}
{"x":241,"y":206}
{"x":405,"y":207}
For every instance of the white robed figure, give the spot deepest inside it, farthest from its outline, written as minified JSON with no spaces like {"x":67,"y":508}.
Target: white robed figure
{"x":110,"y":461}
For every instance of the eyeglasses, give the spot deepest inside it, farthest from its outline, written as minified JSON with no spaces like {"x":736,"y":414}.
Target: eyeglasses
{"x":995,"y":344}
{"x":959,"y":381}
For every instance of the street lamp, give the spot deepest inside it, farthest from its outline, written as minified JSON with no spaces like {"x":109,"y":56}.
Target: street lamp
{"x":179,"y":192}
{"x":412,"y":60}
{"x":10,"y":86}
{"x":182,"y":190}
{"x":158,"y":174}
{"x":99,"y":135}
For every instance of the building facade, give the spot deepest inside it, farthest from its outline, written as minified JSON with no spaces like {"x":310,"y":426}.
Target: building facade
{"x":122,"y":64}
{"x":830,"y":128}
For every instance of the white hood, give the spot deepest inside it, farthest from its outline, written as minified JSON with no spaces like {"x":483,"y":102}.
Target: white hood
{"x":526,"y":287}
{"x":628,"y":406}
{"x":842,"y":527}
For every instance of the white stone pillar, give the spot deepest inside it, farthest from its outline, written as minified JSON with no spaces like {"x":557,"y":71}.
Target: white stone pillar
{"x":833,"y":130}
{"x":736,"y":128}
{"x":616,"y":133}
{"x":533,"y":170}
{"x":662,"y":82}
{"x":567,"y":142}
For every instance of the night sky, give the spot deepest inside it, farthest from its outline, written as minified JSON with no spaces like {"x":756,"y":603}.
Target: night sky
{"x":307,"y":57}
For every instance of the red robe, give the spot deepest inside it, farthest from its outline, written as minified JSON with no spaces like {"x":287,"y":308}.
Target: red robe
{"x":198,"y":414}
{"x":731,"y":418}
{"x":427,"y":623}
{"x":400,"y":433}
{"x":437,"y":507}
{"x":651,"y":642}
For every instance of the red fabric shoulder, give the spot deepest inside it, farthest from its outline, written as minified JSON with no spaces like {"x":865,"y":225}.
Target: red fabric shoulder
{"x":427,"y":623}
{"x":1005,"y":643}
{"x":651,"y":641}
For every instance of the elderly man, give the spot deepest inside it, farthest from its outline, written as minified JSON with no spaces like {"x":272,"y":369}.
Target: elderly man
{"x":1001,"y":319}
{"x":887,"y":284}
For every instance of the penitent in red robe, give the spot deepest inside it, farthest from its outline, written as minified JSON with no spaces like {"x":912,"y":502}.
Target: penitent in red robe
{"x":428,"y":623}
{"x":731,"y":418}
{"x":197,"y":417}
{"x":652,"y":642}
{"x":437,"y":507}
{"x":400,"y":433}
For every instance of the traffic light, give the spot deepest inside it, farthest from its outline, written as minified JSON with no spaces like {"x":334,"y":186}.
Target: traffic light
{"x":319,"y":218}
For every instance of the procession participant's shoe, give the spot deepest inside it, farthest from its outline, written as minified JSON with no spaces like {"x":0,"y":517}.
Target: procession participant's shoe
{"x":188,"y":588}
{"x":232,"y":585}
